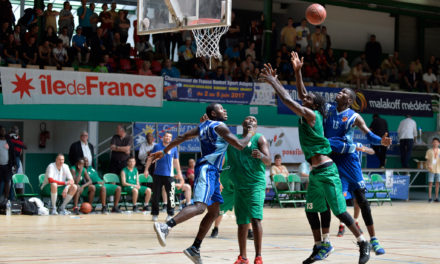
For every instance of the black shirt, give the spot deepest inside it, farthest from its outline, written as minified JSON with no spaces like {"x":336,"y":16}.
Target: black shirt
{"x":126,"y":141}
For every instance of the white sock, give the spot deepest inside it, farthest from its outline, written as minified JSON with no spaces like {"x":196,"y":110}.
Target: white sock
{"x":361,"y":238}
{"x":342,"y":224}
{"x":66,"y":201}
{"x":53,"y":198}
{"x":326,"y":237}
{"x":355,"y":220}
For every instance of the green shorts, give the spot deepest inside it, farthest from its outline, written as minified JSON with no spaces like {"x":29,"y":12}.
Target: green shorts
{"x":110,"y":189}
{"x":129,"y":189}
{"x":227,"y":192}
{"x":325,"y":187}
{"x":46,"y":189}
{"x":249,"y":204}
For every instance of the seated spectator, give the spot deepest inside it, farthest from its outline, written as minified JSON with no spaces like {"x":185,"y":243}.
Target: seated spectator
{"x":32,"y":32}
{"x":104,"y":190}
{"x":187,"y":53}
{"x":144,"y":47}
{"x":242,"y":50}
{"x":146,"y":68}
{"x":4,"y":32}
{"x":432,"y":63}
{"x":10,"y":51}
{"x":59,"y":54}
{"x":169,"y":70}
{"x":377,"y":78}
{"x":396,"y":61}
{"x":58,"y":181}
{"x":199,"y":70}
{"x":322,"y":64}
{"x":190,"y":172}
{"x":107,"y":63}
{"x":130,"y":184}
{"x":256,"y":74}
{"x":44,"y":54}
{"x":251,"y":51}
{"x":29,"y":52}
{"x":359,"y":77}
{"x":310,"y":69}
{"x":83,"y":183}
{"x":120,"y":48}
{"x":17,"y":35}
{"x":362,"y":60}
{"x":218,"y":74}
{"x":390,"y":70}
{"x":51,"y":36}
{"x":247,"y":64}
{"x":232,"y":52}
{"x":304,"y":171}
{"x":343,"y":65}
{"x":246,"y":76}
{"x":184,"y":187}
{"x":411,"y":79}
{"x":79,"y":45}
{"x":430,"y":81}
{"x":279,"y":169}
{"x":332,"y":64}
{"x":418,"y":68}
{"x":101,"y":67}
{"x":65,"y":37}
{"x":227,"y":74}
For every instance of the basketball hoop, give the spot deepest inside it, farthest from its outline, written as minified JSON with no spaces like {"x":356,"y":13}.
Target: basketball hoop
{"x":208,"y":39}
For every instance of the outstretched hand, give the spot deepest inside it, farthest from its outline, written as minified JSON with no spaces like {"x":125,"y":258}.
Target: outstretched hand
{"x":296,"y":62}
{"x":268,"y":74}
{"x":156,"y":156}
{"x":386,"y":141}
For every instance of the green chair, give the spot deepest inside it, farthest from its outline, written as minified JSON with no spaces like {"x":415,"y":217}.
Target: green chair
{"x":297,"y":196}
{"x":281,"y":196}
{"x":112,"y":178}
{"x":377,"y":180}
{"x":22,"y":178}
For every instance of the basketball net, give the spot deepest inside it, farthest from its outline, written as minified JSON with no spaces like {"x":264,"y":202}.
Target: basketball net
{"x":207,"y":41}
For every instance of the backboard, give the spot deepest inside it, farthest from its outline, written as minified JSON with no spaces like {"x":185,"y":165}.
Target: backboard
{"x":160,"y":16}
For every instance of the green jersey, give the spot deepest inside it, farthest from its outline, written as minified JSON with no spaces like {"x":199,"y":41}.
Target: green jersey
{"x":130,"y":176}
{"x":81,"y":180}
{"x":247,"y":172}
{"x":312,"y":139}
{"x":93,"y":175}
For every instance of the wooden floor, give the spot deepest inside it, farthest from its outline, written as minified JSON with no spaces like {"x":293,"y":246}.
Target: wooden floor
{"x":409,"y":232}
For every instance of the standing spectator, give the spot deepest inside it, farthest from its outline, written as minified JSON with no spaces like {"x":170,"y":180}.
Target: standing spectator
{"x":288,"y":35}
{"x":411,"y":79}
{"x":58,"y":181}
{"x":303,"y":35}
{"x":66,"y":19}
{"x":318,"y":40}
{"x":304,"y":171}
{"x":190,"y":172}
{"x":169,"y":70}
{"x":255,"y":37}
{"x":145,"y":148}
{"x":327,"y":40}
{"x":233,"y":33}
{"x":94,"y":18}
{"x":44,"y":54}
{"x":99,"y":46}
{"x":10,"y":51}
{"x":4,"y":34}
{"x":51,"y":17}
{"x":122,"y":25}
{"x":29,"y":52}
{"x":29,"y":19}
{"x":163,"y":176}
{"x":60,"y":56}
{"x":379,"y":126}
{"x":6,"y":13}
{"x":120,"y":145}
{"x":81,"y":148}
{"x":186,"y":56}
{"x":430,"y":81}
{"x":106,"y":20}
{"x":373,"y":53}
{"x":19,"y":146}
{"x":433,"y":162}
{"x":130,"y":184}
{"x":79,"y":44}
{"x":7,"y":162}
{"x":344,"y":66}
{"x":279,"y":169}
{"x":113,"y":13}
{"x":407,"y":132}
{"x":84,"y":15}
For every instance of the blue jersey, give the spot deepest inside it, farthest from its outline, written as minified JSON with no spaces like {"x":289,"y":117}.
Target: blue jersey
{"x":213,"y":146}
{"x":340,"y":124}
{"x":164,"y":166}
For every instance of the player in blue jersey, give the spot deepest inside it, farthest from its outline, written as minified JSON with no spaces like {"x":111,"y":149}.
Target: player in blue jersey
{"x":214,"y":138}
{"x":341,"y":122}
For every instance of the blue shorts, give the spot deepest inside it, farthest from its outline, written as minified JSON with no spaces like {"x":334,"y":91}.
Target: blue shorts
{"x":207,"y":184}
{"x":350,"y":172}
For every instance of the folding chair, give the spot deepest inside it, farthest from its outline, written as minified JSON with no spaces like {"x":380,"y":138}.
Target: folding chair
{"x":378,"y":187}
{"x":22,"y":178}
{"x":281,"y":196}
{"x":297,"y":196}
{"x":114,"y":179}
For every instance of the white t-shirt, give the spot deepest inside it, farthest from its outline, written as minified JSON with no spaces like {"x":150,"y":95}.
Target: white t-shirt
{"x":346,"y":69}
{"x":86,"y":151}
{"x":143,"y":151}
{"x":429,"y":78}
{"x":407,"y":129}
{"x":65,"y":39}
{"x":59,"y":54}
{"x":302,"y":34}
{"x":61,"y":176}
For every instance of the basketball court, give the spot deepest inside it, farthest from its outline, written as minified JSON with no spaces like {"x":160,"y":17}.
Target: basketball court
{"x":129,"y":238}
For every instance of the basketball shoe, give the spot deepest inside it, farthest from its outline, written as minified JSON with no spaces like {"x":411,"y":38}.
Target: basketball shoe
{"x":214,"y":233}
{"x":324,"y":251}
{"x":193,"y":254}
{"x":258,"y":260}
{"x":162,"y":231}
{"x":341,"y":230}
{"x":240,"y":260}
{"x":378,"y":249}
{"x":311,"y":258}
{"x":364,"y":252}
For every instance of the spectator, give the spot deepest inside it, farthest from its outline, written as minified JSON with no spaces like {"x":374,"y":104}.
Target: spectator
{"x":411,"y":79}
{"x":373,"y":53}
{"x":130,"y":184}
{"x":407,"y":132}
{"x":304,"y":171}
{"x":279,"y":169}
{"x":247,"y":64}
{"x":186,"y":56}
{"x":146,"y":68}
{"x":163,"y":176}
{"x":65,"y":38}
{"x":418,"y":68}
{"x":255,"y":37}
{"x":10,"y":51}
{"x":359,"y":77}
{"x":288,"y":35}
{"x":29,"y":52}
{"x":144,"y":48}
{"x":190,"y":172}
{"x":232,"y":52}
{"x":29,"y":19}
{"x":120,"y":49}
{"x":32,"y":32}
{"x":396,"y":61}
{"x":79,"y":45}
{"x":105,"y":18}
{"x":7,"y":162}
{"x":303,"y":35}
{"x":122,"y":25}
{"x":310,"y":70}
{"x":66,"y":19}
{"x":113,"y":13}
{"x":256,"y":74}
{"x":169,"y":70}
{"x":218,"y":74}
{"x":344,"y":66}
{"x":318,"y":40}
{"x":19,"y":146}
{"x":430,"y":81}
{"x":233,"y":33}
{"x":51,"y":17}
{"x":120,"y":145}
{"x":379,"y":126}
{"x":322,"y":64}
{"x":327,"y":40}
{"x":246,"y":76}
{"x":101,"y":67}
{"x":6,"y":13}
{"x":51,"y":36}
{"x":17,"y":35}
{"x":84,"y":15}
{"x":83,"y":184}
{"x":432,"y":64}
{"x":99,"y":46}
{"x":390,"y":70}
{"x":58,"y":181}
{"x":104,"y":190}
{"x":377,"y":78}
{"x":185,"y":188}
{"x":4,"y":34}
{"x":59,"y":54}
{"x":251,"y":51}
{"x":44,"y":54}
{"x":94,"y":18}
{"x":433,"y":163}
{"x":145,"y":148}
{"x":81,"y":148}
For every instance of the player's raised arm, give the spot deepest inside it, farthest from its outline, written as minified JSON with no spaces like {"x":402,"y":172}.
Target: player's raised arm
{"x":237,"y":143}
{"x":269,"y":75}
{"x":297,"y":65}
{"x":372,"y":138}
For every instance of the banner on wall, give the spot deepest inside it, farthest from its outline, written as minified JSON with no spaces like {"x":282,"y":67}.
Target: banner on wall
{"x":224,"y":92}
{"x":283,"y":141}
{"x":30,"y":86}
{"x":373,"y":102}
{"x":192,"y":145}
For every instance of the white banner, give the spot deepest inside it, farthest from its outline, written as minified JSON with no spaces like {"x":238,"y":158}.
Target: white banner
{"x":29,"y":86}
{"x":283,"y":141}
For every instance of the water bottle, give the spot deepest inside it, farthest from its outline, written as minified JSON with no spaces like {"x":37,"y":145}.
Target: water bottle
{"x":8,"y":208}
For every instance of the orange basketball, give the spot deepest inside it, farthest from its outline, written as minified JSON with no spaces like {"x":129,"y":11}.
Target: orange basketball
{"x":316,"y":14}
{"x":85,"y":208}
